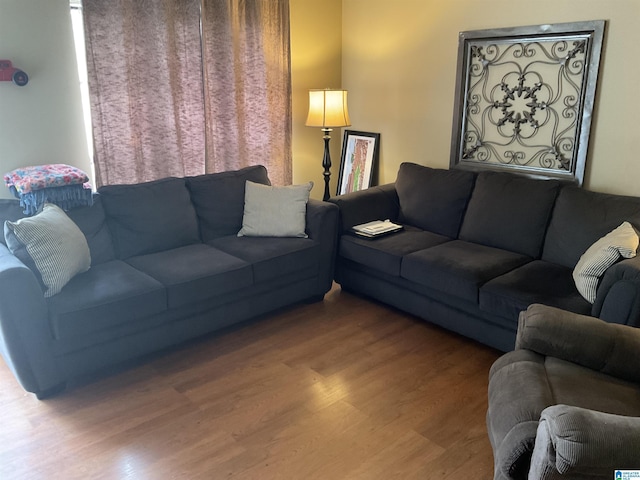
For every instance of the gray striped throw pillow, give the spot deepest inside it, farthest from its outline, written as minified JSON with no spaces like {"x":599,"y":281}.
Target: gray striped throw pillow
{"x":54,"y":242}
{"x":623,"y":241}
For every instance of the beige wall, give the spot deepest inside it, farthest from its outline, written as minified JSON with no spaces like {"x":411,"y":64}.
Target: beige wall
{"x":399,"y":65}
{"x":42,"y":121}
{"x":397,"y":59}
{"x":316,"y":43}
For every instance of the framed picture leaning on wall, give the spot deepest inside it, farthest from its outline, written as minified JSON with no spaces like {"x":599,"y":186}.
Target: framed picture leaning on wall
{"x":358,"y":161}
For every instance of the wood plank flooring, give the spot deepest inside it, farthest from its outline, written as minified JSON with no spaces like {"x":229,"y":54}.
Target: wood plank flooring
{"x":341,"y":389}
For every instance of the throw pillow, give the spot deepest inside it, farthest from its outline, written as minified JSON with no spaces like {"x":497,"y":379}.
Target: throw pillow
{"x":623,"y":241}
{"x":275,"y":211}
{"x":55,"y":245}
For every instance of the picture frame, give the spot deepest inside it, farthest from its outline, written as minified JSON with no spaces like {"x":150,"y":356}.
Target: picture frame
{"x":358,"y":162}
{"x":525,"y":97}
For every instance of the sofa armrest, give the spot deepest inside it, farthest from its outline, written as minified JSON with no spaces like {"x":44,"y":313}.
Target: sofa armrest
{"x":375,"y":203}
{"x":593,"y":343}
{"x":322,"y":227}
{"x":618,"y":296}
{"x":574,"y":442}
{"x":25,"y":336}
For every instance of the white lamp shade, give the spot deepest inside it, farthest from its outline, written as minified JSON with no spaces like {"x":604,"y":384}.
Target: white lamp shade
{"x":328,"y":108}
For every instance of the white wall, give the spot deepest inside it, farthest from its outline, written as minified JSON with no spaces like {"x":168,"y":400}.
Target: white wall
{"x":42,"y":121}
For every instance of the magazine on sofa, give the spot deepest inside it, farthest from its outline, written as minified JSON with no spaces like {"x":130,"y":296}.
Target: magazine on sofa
{"x":376,"y":228}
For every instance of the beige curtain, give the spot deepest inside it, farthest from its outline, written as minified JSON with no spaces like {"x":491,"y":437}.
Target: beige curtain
{"x":247,"y":85}
{"x":168,"y":101}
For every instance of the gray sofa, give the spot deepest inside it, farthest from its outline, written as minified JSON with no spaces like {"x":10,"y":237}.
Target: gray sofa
{"x":166,"y":266}
{"x":565,"y":404}
{"x":477,"y":249}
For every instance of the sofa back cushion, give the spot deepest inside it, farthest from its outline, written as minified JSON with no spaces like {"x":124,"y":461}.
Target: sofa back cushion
{"x":433,"y":199}
{"x":150,"y":217}
{"x":90,"y":219}
{"x":509,"y":211}
{"x":9,"y":210}
{"x":218,"y":199}
{"x":580,"y":218}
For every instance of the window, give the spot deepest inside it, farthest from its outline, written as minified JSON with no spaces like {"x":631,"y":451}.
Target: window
{"x":78,"y":37}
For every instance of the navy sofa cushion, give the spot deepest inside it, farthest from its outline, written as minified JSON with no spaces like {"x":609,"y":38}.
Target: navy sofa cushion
{"x":9,"y":210}
{"x":150,"y":217}
{"x":535,"y":282}
{"x":273,"y":258}
{"x":385,"y":253}
{"x":92,"y":221}
{"x":581,"y":217}
{"x":459,"y":268}
{"x":107,"y":295}
{"x":433,"y":199}
{"x":509,"y":211}
{"x":194,"y":273}
{"x":219,"y":199}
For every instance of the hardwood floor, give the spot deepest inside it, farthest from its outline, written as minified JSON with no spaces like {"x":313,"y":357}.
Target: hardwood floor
{"x":340,"y":389}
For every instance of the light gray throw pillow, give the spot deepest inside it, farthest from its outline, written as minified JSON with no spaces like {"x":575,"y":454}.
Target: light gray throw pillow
{"x":275,"y":211}
{"x":55,"y":244}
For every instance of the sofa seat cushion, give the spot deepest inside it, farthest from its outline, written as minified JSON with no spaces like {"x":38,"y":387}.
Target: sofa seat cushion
{"x":109,"y":294}
{"x":385,"y":253}
{"x":579,"y":386}
{"x":194,"y":273}
{"x":510,"y":212}
{"x":272,"y":257}
{"x":535,"y":282}
{"x":459,"y":268}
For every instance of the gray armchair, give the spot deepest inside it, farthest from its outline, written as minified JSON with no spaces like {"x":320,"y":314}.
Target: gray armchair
{"x":565,"y":404}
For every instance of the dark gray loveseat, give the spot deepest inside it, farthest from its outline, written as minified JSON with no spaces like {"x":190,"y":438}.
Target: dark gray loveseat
{"x":477,"y":249}
{"x":166,"y":266}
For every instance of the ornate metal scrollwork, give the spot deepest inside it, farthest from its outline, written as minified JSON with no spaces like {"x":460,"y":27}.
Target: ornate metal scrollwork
{"x":525,"y":97}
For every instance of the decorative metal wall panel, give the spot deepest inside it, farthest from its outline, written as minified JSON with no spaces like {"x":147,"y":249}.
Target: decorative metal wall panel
{"x":524,"y":98}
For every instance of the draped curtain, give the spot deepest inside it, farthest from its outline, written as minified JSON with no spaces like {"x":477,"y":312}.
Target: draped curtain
{"x":185,"y":87}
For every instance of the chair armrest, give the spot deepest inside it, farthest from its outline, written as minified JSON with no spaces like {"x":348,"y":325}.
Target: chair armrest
{"x":618,"y":295}
{"x":579,"y":443}
{"x":25,"y":335}
{"x":375,"y":203}
{"x":322,"y":227}
{"x":593,"y":343}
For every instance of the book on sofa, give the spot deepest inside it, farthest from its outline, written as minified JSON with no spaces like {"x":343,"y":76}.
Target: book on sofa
{"x":376,"y":228}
